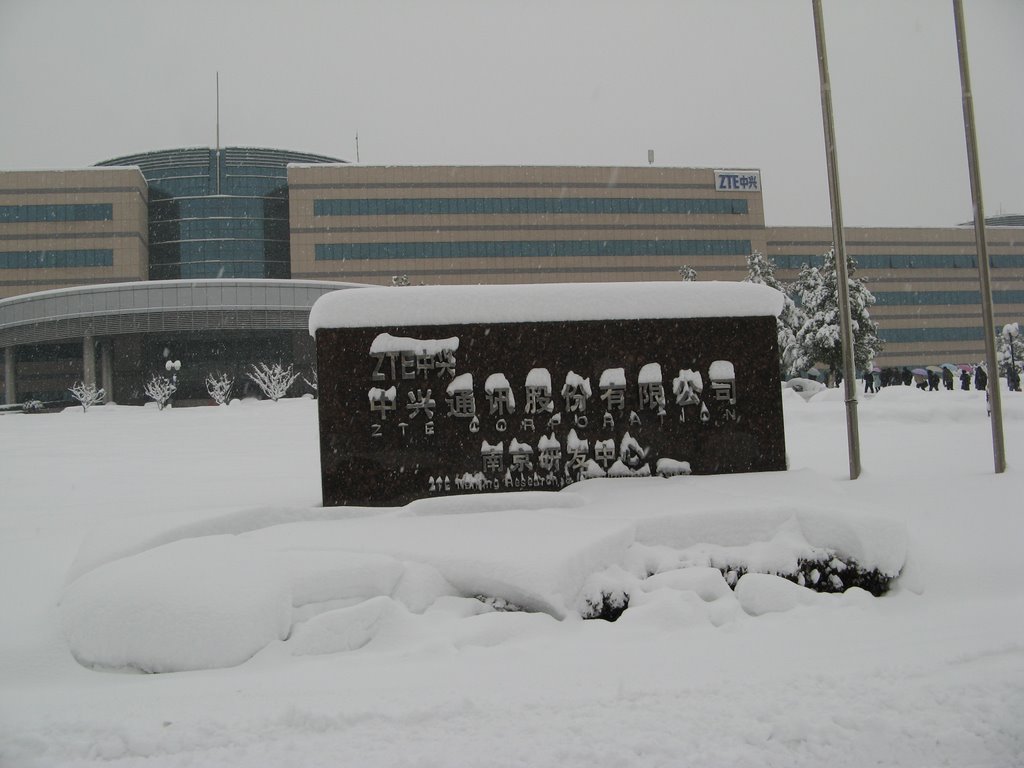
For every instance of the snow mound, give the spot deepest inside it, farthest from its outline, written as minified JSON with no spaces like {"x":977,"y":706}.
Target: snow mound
{"x":761,"y":593}
{"x":535,"y":559}
{"x":349,"y":629}
{"x":321,"y":576}
{"x":193,"y":604}
{"x":421,"y":586}
{"x":707,"y":583}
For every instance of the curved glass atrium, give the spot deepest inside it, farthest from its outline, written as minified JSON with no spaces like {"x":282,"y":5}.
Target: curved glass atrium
{"x":218,"y":213}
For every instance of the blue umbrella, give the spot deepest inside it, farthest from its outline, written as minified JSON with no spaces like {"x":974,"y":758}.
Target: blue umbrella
{"x":919,"y":372}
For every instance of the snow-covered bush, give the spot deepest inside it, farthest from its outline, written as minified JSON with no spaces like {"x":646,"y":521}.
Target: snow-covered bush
{"x":160,"y":389}
{"x":219,"y":388}
{"x":273,"y":380}
{"x":87,"y":395}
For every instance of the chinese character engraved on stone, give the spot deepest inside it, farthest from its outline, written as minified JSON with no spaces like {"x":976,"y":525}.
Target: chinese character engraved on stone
{"x":550,"y":453}
{"x":461,"y":402}
{"x":493,"y":456}
{"x":576,"y":392}
{"x":538,"y":391}
{"x":522,"y":455}
{"x":613,"y":388}
{"x":499,"y":394}
{"x":652,"y":388}
{"x":398,"y":357}
{"x":687,"y":388}
{"x":576,"y":451}
{"x":722,"y":375}
{"x":604,"y":452}
{"x":421,"y":403}
{"x":382,"y":401}
{"x":631,"y":453}
{"x":444,"y":362}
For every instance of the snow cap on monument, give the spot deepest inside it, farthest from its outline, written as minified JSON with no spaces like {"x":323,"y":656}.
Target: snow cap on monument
{"x":548,"y":302}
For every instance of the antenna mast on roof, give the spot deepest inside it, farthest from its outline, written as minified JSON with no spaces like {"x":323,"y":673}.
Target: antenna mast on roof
{"x":357,"y":146}
{"x":218,"y":133}
{"x":218,"y":111}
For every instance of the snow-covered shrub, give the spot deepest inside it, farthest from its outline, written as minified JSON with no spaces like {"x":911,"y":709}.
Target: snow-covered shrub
{"x":32,"y":406}
{"x":219,"y":388}
{"x":500,"y":604}
{"x":273,"y":380}
{"x":830,"y":574}
{"x":160,"y":389}
{"x":87,"y":395}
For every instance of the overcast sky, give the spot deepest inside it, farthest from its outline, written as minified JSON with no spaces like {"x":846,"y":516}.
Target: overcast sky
{"x":705,"y":83}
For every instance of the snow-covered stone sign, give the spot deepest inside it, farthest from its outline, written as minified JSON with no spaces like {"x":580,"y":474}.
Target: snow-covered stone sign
{"x":429,"y":391}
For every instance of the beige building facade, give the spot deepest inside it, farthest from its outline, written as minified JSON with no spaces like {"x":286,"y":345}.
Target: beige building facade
{"x":520,"y":224}
{"x":61,"y":229}
{"x":925,"y":283}
{"x":265,"y":215}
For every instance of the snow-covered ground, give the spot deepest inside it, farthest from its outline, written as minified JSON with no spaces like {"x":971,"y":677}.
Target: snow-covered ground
{"x":193,"y":539}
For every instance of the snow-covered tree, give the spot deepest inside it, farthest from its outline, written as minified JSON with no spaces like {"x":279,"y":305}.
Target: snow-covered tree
{"x":274,"y":380}
{"x":819,"y":335}
{"x":1009,"y":346}
{"x":792,"y":360}
{"x":688,"y":273}
{"x":219,"y":387}
{"x":87,"y":395}
{"x":160,"y":389}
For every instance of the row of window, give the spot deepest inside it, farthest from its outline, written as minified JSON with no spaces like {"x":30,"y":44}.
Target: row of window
{"x":530,"y":248}
{"x":220,"y":206}
{"x":912,"y":335}
{"x":10,"y":214}
{"x":217,"y":250}
{"x":229,"y":185}
{"x":203,"y":229}
{"x":525,"y":205}
{"x":97,"y":257}
{"x":906,"y":261}
{"x":943,"y":298}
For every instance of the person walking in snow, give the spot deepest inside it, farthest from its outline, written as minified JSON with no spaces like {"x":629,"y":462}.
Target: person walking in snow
{"x":869,"y":382}
{"x":947,"y":378}
{"x":980,"y":378}
{"x":933,"y":381}
{"x":965,"y":381}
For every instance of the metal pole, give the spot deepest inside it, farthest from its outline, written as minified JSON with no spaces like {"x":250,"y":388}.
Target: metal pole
{"x":987,"y":315}
{"x":842,"y":278}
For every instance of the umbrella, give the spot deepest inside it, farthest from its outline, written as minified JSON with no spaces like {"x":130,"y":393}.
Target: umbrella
{"x":875,"y":369}
{"x":950,"y":367}
{"x":919,"y":372}
{"x":934,"y":369}
{"x":965,"y":367}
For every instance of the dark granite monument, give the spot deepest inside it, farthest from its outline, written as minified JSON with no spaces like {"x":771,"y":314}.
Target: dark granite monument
{"x":410,"y":409}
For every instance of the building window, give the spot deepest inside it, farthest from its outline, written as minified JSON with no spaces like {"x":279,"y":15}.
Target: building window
{"x":530,"y":249}
{"x":98,"y":257}
{"x":16,"y":214}
{"x":527,"y":205}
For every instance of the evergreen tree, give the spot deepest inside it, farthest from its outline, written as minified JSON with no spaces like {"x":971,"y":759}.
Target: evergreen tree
{"x":688,"y":273}
{"x":792,"y":360}
{"x":819,"y":335}
{"x":1003,"y":355}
